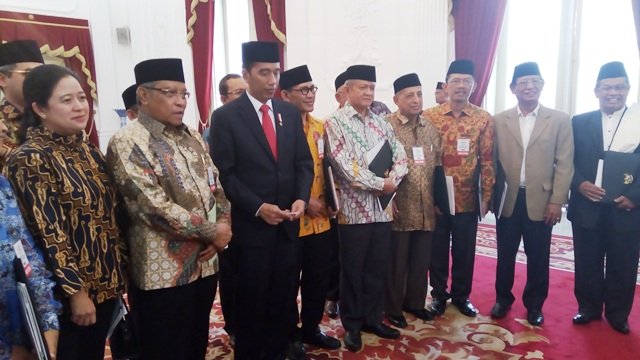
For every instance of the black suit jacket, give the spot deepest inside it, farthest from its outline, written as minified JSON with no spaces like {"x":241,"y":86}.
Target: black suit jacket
{"x":250,"y":175}
{"x":587,"y":137}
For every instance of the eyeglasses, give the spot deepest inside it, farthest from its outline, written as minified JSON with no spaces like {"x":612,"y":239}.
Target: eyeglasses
{"x":170,"y":93}
{"x":23,"y":72}
{"x":457,"y":81}
{"x":236,"y":92}
{"x":617,"y":88}
{"x":526,"y":82}
{"x":307,"y":90}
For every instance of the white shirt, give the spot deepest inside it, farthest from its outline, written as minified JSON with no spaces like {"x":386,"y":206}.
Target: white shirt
{"x":526,"y":127}
{"x":609,"y":125}
{"x":256,"y":106}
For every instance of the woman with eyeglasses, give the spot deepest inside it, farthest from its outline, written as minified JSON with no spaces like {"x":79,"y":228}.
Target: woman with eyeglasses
{"x":69,"y":204}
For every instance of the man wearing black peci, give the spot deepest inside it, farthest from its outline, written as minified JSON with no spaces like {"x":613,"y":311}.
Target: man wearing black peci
{"x":604,"y":230}
{"x":266,"y":170}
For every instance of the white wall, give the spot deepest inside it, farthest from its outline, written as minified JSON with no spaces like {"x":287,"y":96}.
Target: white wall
{"x":157,"y":28}
{"x":398,"y":37}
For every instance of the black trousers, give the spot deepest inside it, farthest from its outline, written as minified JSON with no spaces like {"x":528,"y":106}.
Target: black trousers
{"x":536,"y":236}
{"x":266,"y":290}
{"x":408,"y":266}
{"x":333,"y":294}
{"x":173,"y":323}
{"x":612,"y":286}
{"x":459,"y":231}
{"x":227,"y":287}
{"x":85,"y":342}
{"x":364,"y":257}
{"x":314,"y":254}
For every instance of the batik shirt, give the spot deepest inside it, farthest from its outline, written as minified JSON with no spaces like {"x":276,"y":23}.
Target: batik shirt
{"x":349,"y":137}
{"x":12,"y":230}
{"x":166,"y":177}
{"x":11,"y":118}
{"x":314,"y":130}
{"x":70,"y":204}
{"x":414,"y":197}
{"x":475,"y":128}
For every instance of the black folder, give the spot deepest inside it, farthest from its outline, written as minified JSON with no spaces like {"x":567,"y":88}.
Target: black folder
{"x":619,"y":172}
{"x":30,"y":317}
{"x":381,"y":165}
{"x":440,"y":193}
{"x":330,"y":193}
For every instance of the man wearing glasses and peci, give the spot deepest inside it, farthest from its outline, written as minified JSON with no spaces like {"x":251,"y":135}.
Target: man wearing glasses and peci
{"x":17,"y":58}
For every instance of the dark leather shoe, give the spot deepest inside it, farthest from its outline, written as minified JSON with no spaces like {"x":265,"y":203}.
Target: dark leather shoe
{"x":582,"y":318}
{"x":332,"y":309}
{"x":438,"y":306}
{"x":321,"y":340}
{"x":296,"y":351}
{"x":466,"y":308}
{"x":535,"y":318}
{"x":422,"y":314}
{"x":382,"y":330}
{"x":622,"y":327}
{"x":397,"y":320}
{"x":500,"y":310}
{"x":353,"y":341}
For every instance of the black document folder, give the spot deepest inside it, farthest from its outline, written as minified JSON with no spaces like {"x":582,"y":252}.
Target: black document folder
{"x":330,"y":192}
{"x":381,"y":165}
{"x":619,"y":172}
{"x":30,"y":318}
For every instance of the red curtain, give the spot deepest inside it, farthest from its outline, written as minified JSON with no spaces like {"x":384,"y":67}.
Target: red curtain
{"x":477,"y":26}
{"x":64,"y":38}
{"x":271,"y":23}
{"x":200,"y":16}
{"x":636,"y":15}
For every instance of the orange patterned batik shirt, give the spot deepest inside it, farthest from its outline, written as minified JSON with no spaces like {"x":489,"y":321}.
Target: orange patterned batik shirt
{"x":467,"y":142}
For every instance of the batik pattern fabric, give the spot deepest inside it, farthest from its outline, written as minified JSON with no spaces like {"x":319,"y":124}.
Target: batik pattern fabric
{"x":350,"y":136}
{"x":379,"y":108}
{"x":11,"y":118}
{"x":414,"y":198}
{"x":163,"y":173}
{"x":314,"y":130}
{"x":70,"y":206}
{"x":478,"y":127}
{"x":13,"y":230}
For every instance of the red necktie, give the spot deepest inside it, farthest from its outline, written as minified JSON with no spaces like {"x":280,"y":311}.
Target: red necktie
{"x":269,"y":131}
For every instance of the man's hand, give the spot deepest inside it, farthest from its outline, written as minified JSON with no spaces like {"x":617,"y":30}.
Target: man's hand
{"x":437,"y":209}
{"x":591,"y":191}
{"x":297,"y":209}
{"x":552,"y":214}
{"x":223,"y":236}
{"x":316,"y":208}
{"x":623,"y":203}
{"x":389,"y":187}
{"x":272,"y":214}
{"x":207,"y":253}
{"x":83,"y":311}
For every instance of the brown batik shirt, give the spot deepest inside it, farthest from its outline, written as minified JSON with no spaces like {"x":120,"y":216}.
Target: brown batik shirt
{"x":414,"y":197}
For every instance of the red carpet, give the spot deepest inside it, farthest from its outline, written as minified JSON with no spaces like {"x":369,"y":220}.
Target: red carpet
{"x":454,"y":336}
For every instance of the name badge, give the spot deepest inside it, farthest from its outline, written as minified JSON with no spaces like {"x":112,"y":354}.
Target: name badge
{"x":463,"y":147}
{"x":418,"y":155}
{"x":22,"y":255}
{"x":321,"y":148}
{"x":212,"y":179}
